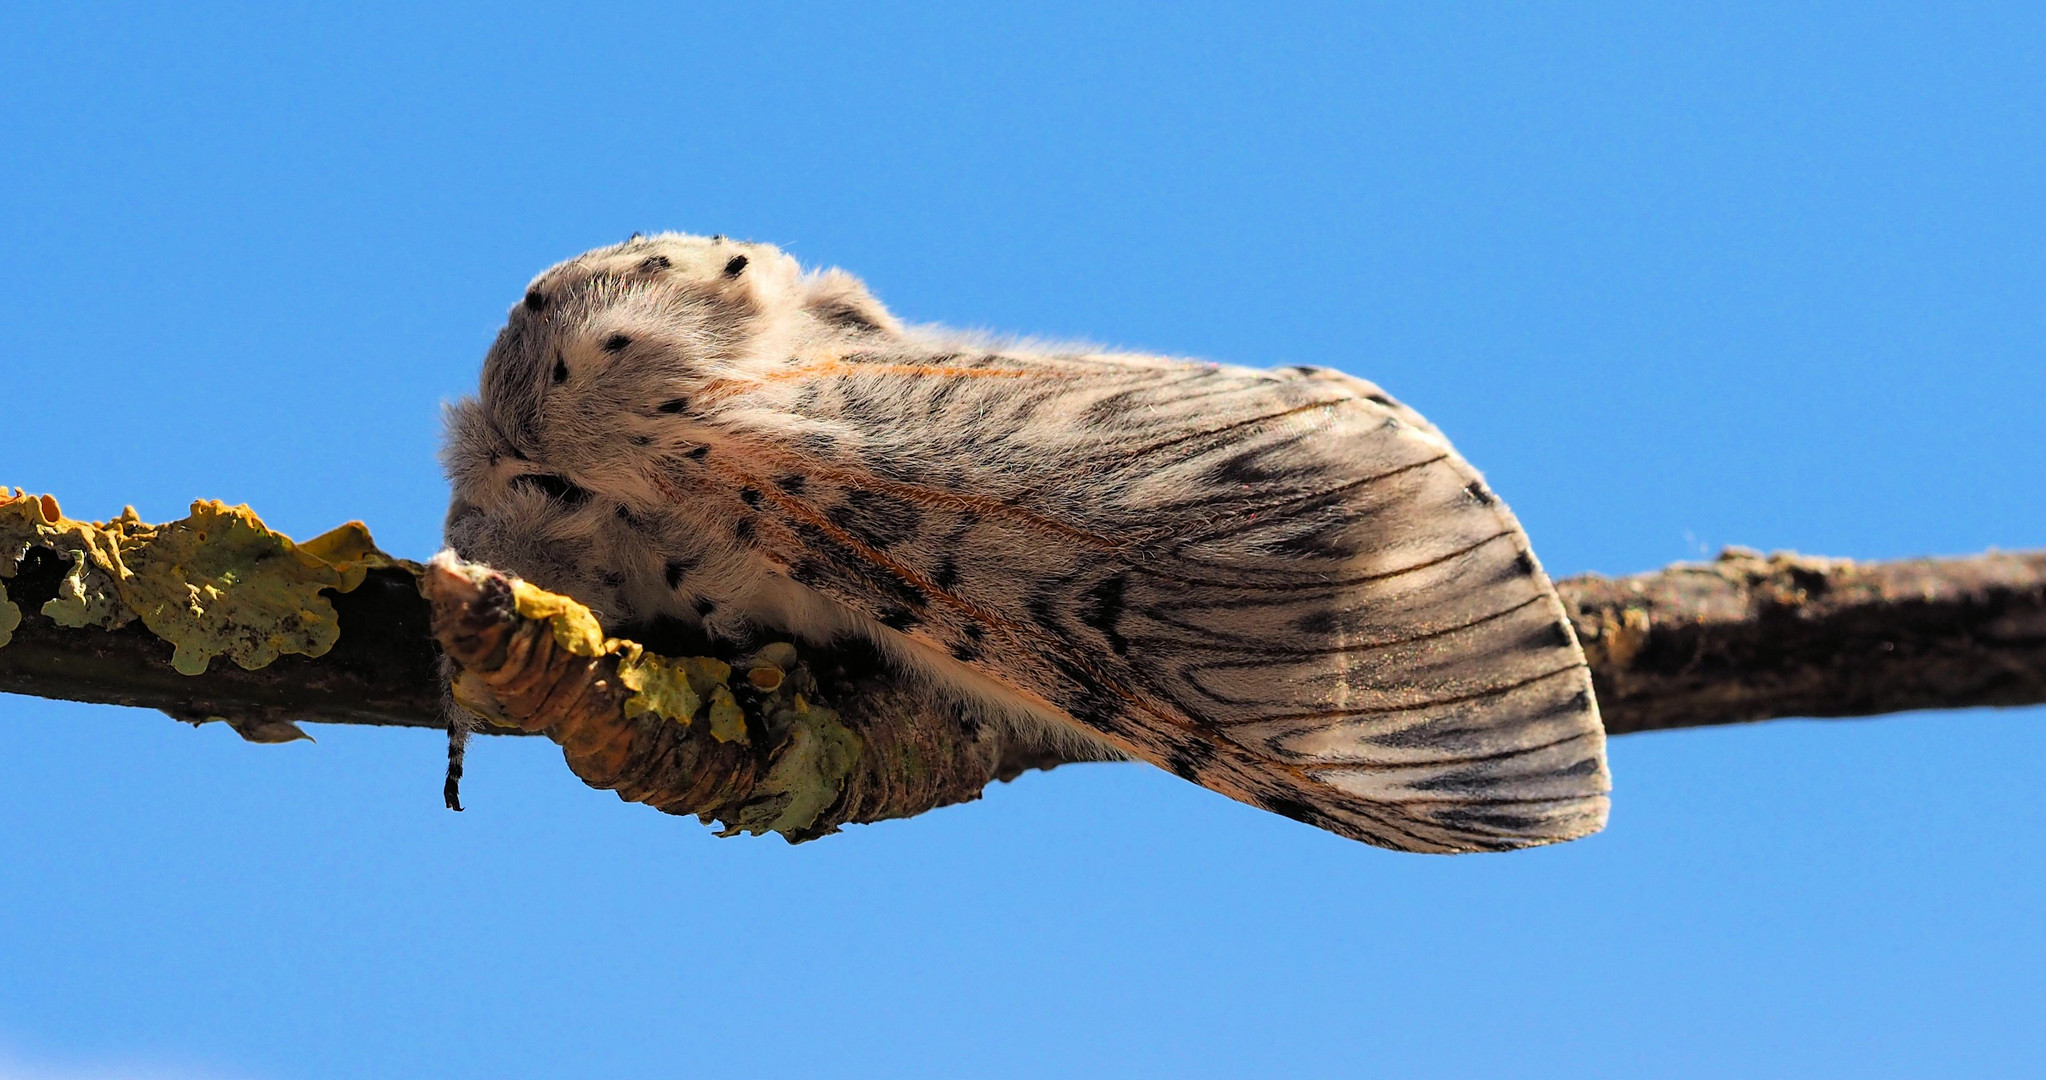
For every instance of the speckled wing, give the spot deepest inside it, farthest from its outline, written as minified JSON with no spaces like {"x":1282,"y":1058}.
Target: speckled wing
{"x":1282,"y":585}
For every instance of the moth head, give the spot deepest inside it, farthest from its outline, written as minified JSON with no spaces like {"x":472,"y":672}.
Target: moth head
{"x":522,"y":515}
{"x":622,"y":347}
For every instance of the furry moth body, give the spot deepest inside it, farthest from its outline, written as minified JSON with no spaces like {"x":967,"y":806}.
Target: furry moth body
{"x":1282,"y":585}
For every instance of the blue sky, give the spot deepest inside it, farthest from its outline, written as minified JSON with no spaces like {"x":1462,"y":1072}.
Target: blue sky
{"x":1675,"y":277}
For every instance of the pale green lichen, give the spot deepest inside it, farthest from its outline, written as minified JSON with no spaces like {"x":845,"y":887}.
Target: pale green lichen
{"x":815,"y":756}
{"x":10,"y":617}
{"x":217,"y":583}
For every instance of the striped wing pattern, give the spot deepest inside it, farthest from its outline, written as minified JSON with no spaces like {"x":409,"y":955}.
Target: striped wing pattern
{"x":1285,"y":586}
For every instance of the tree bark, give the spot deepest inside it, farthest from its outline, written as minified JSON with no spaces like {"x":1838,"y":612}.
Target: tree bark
{"x":812,"y":742}
{"x":1750,"y":637}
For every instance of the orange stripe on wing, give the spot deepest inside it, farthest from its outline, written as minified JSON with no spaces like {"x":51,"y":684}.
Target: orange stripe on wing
{"x":984,"y":505}
{"x":842,"y":368}
{"x":928,"y":371}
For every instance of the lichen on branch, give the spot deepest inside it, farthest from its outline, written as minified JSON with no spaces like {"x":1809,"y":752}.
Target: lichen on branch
{"x":333,"y":630}
{"x":758,"y":752}
{"x":129,"y":613}
{"x":217,"y":583}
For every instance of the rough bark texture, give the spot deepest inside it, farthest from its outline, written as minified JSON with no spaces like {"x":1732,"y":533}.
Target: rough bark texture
{"x":1744,"y":638}
{"x":776,"y":759}
{"x":1750,"y":637}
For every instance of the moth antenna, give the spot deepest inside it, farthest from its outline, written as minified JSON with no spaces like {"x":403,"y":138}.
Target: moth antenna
{"x":458,"y":748}
{"x":460,"y":723}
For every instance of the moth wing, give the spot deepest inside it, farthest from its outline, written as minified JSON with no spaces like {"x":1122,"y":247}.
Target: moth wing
{"x":1285,"y":586}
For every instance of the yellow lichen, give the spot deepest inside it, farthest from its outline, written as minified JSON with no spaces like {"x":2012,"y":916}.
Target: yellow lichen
{"x":575,"y":628}
{"x":217,"y":583}
{"x":727,"y":720}
{"x":1620,"y":639}
{"x":349,"y":550}
{"x":674,"y":689}
{"x":221,"y":583}
{"x":670,"y":688}
{"x":810,"y":753}
{"x":88,"y":594}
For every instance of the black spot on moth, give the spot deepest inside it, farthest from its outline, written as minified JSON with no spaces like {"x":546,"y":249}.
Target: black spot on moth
{"x":1240,"y":469}
{"x":735,"y":265}
{"x":1104,"y":612}
{"x":1324,"y":541}
{"x":616,"y":342}
{"x":879,"y":520}
{"x":896,"y":618}
{"x":792,"y":483}
{"x":749,"y":496}
{"x":846,"y":316}
{"x":1287,"y":806}
{"x":560,"y":369}
{"x":1552,"y":636}
{"x":536,"y":300}
{"x":1318,"y":622}
{"x":1190,"y":758}
{"x":1479,"y":493}
{"x":654,"y":262}
{"x":675,"y":405}
{"x":743,"y":530}
{"x":697,"y":453}
{"x":676,"y":570}
{"x":1042,"y":607}
{"x":704,"y":606}
{"x":558,"y":488}
{"x":1090,"y":707}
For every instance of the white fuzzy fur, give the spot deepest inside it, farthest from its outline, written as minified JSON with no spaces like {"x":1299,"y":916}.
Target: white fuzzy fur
{"x":1094,"y":548}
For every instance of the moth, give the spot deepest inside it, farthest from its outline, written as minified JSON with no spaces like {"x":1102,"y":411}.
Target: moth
{"x":1282,"y":585}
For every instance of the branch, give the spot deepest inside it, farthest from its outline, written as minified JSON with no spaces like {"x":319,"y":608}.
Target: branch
{"x":800,"y":745}
{"x":1750,"y":637}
